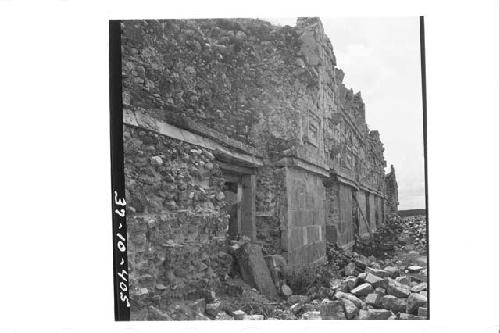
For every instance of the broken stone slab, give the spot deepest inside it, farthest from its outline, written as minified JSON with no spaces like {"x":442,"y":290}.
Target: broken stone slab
{"x":254,"y":269}
{"x":393,"y":271}
{"x":378,"y":272}
{"x":238,"y":315}
{"x":414,"y":302}
{"x":419,"y":287}
{"x":350,"y":309}
{"x":312,"y":315}
{"x":341,"y":295}
{"x":298,"y":299}
{"x":332,"y":310}
{"x":403,"y":280}
{"x":362,"y":290}
{"x":352,"y":282}
{"x":422,"y":312}
{"x":423,"y":293}
{"x":362,"y":277}
{"x":375,"y":281}
{"x":397,"y":289}
{"x":374,"y":314}
{"x":373,"y":299}
{"x":393,"y":303}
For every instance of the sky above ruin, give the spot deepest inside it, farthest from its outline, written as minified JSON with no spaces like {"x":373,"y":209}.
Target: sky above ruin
{"x":381,"y":58}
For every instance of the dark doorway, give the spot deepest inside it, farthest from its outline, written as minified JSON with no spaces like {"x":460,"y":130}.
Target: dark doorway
{"x":239,"y":192}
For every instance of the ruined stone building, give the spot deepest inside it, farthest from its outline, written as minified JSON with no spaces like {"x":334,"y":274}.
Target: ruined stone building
{"x":240,"y":128}
{"x":391,"y":192}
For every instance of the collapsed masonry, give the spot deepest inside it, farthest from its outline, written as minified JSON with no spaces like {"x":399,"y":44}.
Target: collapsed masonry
{"x":241,"y":128}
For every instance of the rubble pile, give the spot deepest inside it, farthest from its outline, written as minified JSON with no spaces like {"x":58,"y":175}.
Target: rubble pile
{"x":349,"y":286}
{"x":376,"y":294}
{"x":397,"y":233}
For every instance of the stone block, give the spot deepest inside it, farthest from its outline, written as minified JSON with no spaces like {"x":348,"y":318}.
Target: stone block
{"x":373,"y":299}
{"x":352,"y":282}
{"x":374,"y":314}
{"x":422,"y":312}
{"x":415,"y":301}
{"x":340,"y":295}
{"x":397,"y":289}
{"x":419,"y":287}
{"x":393,"y":303}
{"x":332,"y":310}
{"x":377,"y":272}
{"x":350,"y":309}
{"x":254,"y":269}
{"x":362,"y":290}
{"x":375,"y":281}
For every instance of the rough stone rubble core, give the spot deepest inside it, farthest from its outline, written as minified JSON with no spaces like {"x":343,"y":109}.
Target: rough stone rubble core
{"x":236,"y":127}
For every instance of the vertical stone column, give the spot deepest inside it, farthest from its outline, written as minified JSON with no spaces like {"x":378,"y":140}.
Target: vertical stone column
{"x":248,"y":206}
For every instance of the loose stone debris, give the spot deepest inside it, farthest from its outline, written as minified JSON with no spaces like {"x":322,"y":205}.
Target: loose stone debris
{"x":358,"y":289}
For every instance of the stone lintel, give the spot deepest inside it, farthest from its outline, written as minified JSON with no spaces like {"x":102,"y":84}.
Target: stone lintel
{"x":144,"y":121}
{"x":295,"y":162}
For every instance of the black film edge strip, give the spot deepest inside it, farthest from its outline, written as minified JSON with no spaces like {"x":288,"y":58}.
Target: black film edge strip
{"x":120,"y":264}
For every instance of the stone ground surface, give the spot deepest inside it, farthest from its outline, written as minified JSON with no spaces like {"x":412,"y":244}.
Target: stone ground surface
{"x":391,"y":286}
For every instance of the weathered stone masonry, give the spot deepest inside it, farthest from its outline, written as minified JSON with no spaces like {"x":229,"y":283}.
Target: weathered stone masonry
{"x":238,"y":127}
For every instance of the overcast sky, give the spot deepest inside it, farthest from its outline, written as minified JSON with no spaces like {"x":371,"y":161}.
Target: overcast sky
{"x":381,"y":58}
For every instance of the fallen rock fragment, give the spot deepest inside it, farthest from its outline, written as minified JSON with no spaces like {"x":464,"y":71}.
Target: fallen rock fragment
{"x":403,"y":280}
{"x":393,"y":303}
{"x":374,"y":314}
{"x":375,"y":281}
{"x":422,"y":312}
{"x":340,"y":295}
{"x":419,"y":287}
{"x":332,"y":310}
{"x":373,"y":299}
{"x":397,"y":289}
{"x":350,"y":309}
{"x":254,"y":269}
{"x":378,"y":272}
{"x":393,"y":271}
{"x":414,"y":302}
{"x":362,"y":290}
{"x":352,"y":282}
{"x":238,"y":315}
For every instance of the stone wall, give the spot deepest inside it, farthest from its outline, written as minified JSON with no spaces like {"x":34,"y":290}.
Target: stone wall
{"x":306,"y":217}
{"x":271,"y":209}
{"x":345,"y":226}
{"x":271,"y":95}
{"x":176,"y":222}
